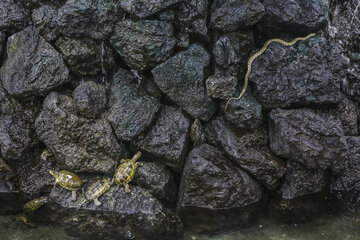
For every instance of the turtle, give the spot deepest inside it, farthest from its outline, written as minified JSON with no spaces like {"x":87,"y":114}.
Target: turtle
{"x":126,"y":171}
{"x":68,"y":180}
{"x":35,"y":204}
{"x":96,"y":189}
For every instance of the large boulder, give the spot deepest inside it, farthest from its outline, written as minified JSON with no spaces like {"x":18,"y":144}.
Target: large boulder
{"x":135,"y":215}
{"x":167,"y":142}
{"x":131,"y":109}
{"x":79,"y":144}
{"x":144,"y":43}
{"x":12,"y":16}
{"x":156,"y":179}
{"x":313,"y":138}
{"x":294,"y":17}
{"x":86,"y":56}
{"x":249,"y":150}
{"x":145,"y":8}
{"x":311,"y":74}
{"x":181,"y":78}
{"x":214,"y":194}
{"x":44,"y":19}
{"x":230,"y":15}
{"x":33,"y":66}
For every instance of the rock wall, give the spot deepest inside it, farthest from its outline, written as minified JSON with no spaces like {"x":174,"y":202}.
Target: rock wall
{"x":94,"y":81}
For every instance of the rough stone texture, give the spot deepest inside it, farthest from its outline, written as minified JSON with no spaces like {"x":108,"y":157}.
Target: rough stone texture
{"x":6,"y":173}
{"x":348,"y":113}
{"x":88,"y":18}
{"x":32,"y":4}
{"x":2,"y":41}
{"x":131,"y":109}
{"x":33,"y":66}
{"x":181,"y":78}
{"x":294,"y":17}
{"x":197,"y":134}
{"x":145,"y":8}
{"x":157,"y":180}
{"x":312,"y":138}
{"x":45,"y":21}
{"x":145,"y":43}
{"x":34,"y":177}
{"x":90,"y":99}
{"x":12,"y":16}
{"x":351,"y":85}
{"x":86,"y":56}
{"x":311,"y":73}
{"x":192,"y":15}
{"x":167,"y":141}
{"x":230,"y":15}
{"x":78,"y":144}
{"x":220,"y":86}
{"x":211,"y":187}
{"x":17,"y":136}
{"x":249,"y":150}
{"x":245,"y":113}
{"x":225,"y":55}
{"x":349,"y":179}
{"x":135,"y":215}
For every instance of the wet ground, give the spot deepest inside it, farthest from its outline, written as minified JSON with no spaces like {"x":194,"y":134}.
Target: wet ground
{"x":344,"y":226}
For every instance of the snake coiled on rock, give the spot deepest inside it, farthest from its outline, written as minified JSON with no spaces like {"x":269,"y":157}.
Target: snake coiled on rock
{"x":257,"y":54}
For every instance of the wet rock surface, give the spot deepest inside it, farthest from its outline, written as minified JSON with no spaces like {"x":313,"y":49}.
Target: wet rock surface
{"x":33,"y":66}
{"x":79,"y":144}
{"x":185,"y":85}
{"x":131,"y":110}
{"x":200,"y":198}
{"x":248,"y":150}
{"x":145,"y":8}
{"x":300,"y":82}
{"x":167,"y":141}
{"x":294,"y":17}
{"x":11,"y":199}
{"x":124,"y":215}
{"x":230,"y":15}
{"x":145,"y":43}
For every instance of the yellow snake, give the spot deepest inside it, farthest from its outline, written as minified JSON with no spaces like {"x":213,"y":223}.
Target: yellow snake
{"x":261,"y":51}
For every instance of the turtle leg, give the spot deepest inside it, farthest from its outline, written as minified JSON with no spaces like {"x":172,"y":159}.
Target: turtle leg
{"x":73,"y":196}
{"x":127,"y":188}
{"x":97,"y":202}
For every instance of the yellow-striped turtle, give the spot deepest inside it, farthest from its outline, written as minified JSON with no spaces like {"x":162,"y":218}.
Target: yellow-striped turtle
{"x":35,"y":204}
{"x":68,"y":180}
{"x":96,"y":189}
{"x":126,"y":171}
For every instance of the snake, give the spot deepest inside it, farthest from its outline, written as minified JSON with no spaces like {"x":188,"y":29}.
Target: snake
{"x":257,"y":54}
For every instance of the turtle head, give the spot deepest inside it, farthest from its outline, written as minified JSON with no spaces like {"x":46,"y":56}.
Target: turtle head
{"x":136,"y":157}
{"x":55,"y":174}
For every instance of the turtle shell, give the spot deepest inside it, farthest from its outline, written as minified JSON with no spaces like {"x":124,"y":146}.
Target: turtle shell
{"x":97,"y":189}
{"x":35,"y":204}
{"x":70,"y":181}
{"x":124,"y":172}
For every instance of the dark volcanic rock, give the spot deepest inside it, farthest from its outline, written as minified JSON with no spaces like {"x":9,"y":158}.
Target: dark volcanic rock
{"x":2,"y":41}
{"x":31,"y":4}
{"x":181,"y":78}
{"x":131,"y":109}
{"x":349,"y":113}
{"x":17,"y":135}
{"x":145,"y":8}
{"x":294,"y":17}
{"x":79,"y":144}
{"x":167,"y":141}
{"x":225,"y":55}
{"x":157,"y":180}
{"x":45,"y":21}
{"x":88,"y":18}
{"x":220,"y":86}
{"x":245,"y":113}
{"x":33,"y":66}
{"x":230,"y":15}
{"x":197,"y":134}
{"x":311,"y":73}
{"x":34,"y":177}
{"x":90,"y":99}
{"x":12,"y":16}
{"x":6,"y":173}
{"x":86,"y":56}
{"x":192,"y":15}
{"x":135,"y":215}
{"x":313,"y":138}
{"x":215,"y":194}
{"x":249,"y":150}
{"x":144,"y":43}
